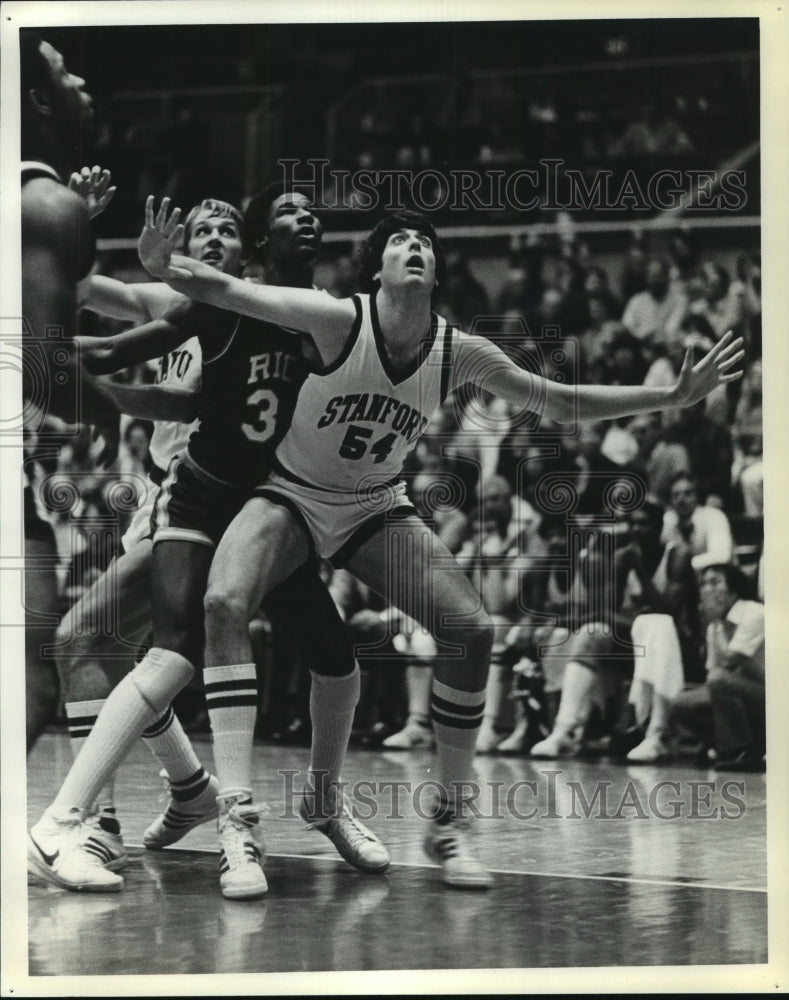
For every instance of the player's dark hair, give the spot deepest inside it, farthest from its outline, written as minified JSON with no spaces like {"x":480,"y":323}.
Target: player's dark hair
{"x":371,"y":251}
{"x":215,"y":208}
{"x":256,"y":217}
{"x":33,"y":67}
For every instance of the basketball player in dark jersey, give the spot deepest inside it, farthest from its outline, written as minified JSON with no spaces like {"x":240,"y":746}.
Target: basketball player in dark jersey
{"x":57,"y":255}
{"x":252,"y":373}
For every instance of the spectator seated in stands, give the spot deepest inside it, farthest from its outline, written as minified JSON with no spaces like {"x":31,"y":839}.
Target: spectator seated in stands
{"x":598,"y":337}
{"x":654,"y":585}
{"x":722,"y":303}
{"x":656,"y":314}
{"x":710,"y":451}
{"x":705,"y":529}
{"x":727,"y":713}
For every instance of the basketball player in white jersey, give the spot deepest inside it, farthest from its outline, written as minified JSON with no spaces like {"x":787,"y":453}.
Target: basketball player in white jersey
{"x":388,"y":362}
{"x":97,"y":641}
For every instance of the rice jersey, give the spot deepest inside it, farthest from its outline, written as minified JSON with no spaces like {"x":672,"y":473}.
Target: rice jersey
{"x":251,"y":378}
{"x":356,"y":420}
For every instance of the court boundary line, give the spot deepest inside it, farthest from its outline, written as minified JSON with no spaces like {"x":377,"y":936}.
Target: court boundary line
{"x":494,"y":871}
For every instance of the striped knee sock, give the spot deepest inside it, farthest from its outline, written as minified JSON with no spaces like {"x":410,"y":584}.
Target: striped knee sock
{"x":170,"y":745}
{"x":457,"y":716}
{"x":332,"y":704}
{"x":132,"y":706}
{"x":232,"y":697}
{"x":82,"y":717}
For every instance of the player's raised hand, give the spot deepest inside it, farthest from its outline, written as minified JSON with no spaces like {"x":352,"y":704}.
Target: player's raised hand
{"x":92,"y":184}
{"x":160,"y":236}
{"x":719,"y":365}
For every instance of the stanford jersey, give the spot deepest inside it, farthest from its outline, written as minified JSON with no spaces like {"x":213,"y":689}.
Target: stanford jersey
{"x":356,"y":420}
{"x":250,"y":381}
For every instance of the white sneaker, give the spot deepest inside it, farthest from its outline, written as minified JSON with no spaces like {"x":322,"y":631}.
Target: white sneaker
{"x":106,"y":845}
{"x":354,"y":842}
{"x":448,"y":842}
{"x":651,"y":750}
{"x":556,"y":745}
{"x":55,"y":853}
{"x":241,"y":858}
{"x":411,"y":736}
{"x":179,"y":818}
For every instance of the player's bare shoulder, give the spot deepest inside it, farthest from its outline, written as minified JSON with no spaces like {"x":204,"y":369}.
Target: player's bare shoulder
{"x":53,"y":216}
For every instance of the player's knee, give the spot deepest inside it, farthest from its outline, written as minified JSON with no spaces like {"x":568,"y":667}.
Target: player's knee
{"x":225,"y":608}
{"x":478,"y":635}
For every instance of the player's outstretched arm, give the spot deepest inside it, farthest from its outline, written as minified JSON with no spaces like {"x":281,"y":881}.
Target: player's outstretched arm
{"x":482,"y":363}
{"x":137,"y":302}
{"x":105,"y":355}
{"x":153,"y":402}
{"x":328,"y":320}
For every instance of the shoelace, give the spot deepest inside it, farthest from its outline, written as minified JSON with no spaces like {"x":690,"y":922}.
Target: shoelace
{"x":241,"y":848}
{"x":358,"y":830}
{"x":347,"y":815}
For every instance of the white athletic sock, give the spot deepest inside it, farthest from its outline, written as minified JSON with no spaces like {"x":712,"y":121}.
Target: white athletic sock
{"x":232,"y":697}
{"x":82,"y":717}
{"x":136,"y":702}
{"x":457,"y":716}
{"x":332,"y":704}
{"x":170,"y":745}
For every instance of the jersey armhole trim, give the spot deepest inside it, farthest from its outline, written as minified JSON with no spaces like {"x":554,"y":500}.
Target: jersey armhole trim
{"x":446,"y":362}
{"x":349,"y":345}
{"x":225,"y":349}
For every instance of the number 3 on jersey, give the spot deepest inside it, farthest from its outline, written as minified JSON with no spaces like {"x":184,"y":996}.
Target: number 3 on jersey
{"x":354,"y":444}
{"x":264,"y":404}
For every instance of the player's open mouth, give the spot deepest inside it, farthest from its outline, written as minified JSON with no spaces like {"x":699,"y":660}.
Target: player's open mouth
{"x":415,"y":261}
{"x":212,"y":257}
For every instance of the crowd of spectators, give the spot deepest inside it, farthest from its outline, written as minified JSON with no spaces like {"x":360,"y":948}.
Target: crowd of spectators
{"x":621,"y":561}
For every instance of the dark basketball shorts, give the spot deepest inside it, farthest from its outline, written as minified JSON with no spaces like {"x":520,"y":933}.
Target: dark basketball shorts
{"x":193,"y":506}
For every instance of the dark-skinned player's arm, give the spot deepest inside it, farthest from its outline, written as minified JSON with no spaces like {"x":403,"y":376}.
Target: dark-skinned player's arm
{"x":154,"y":402}
{"x":105,"y":355}
{"x":55,"y":233}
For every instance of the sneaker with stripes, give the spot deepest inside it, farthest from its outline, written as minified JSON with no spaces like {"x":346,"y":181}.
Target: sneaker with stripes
{"x":448,"y":842}
{"x":55,"y":853}
{"x":242,"y":852}
{"x":191,"y":802}
{"x":102,"y":838}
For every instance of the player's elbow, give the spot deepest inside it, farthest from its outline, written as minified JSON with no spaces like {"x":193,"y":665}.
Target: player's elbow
{"x":559,"y":407}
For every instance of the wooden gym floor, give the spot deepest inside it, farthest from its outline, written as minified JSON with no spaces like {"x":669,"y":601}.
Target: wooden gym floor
{"x":664,"y":867}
